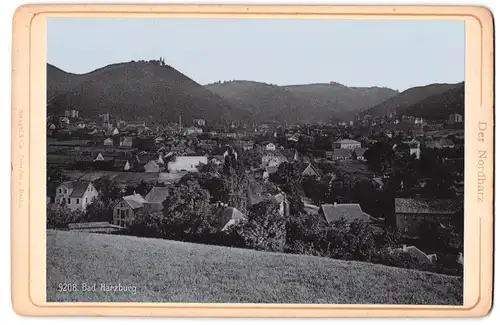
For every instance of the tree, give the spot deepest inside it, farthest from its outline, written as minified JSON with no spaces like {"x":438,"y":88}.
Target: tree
{"x":98,"y":211}
{"x":208,"y":168}
{"x":148,"y":225}
{"x":108,"y":189}
{"x":55,"y":175}
{"x":360,"y":241}
{"x":316,"y":190}
{"x":265,"y":229}
{"x":406,"y":175}
{"x":236,"y":182}
{"x":294,"y":193}
{"x":186,"y":202}
{"x":307,"y":234}
{"x":438,"y":237}
{"x":250,"y":159}
{"x":143,"y":188}
{"x":371,"y":200}
{"x":210,"y":182}
{"x":379,"y":157}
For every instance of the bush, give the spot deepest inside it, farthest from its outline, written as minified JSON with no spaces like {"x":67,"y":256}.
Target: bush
{"x":60,"y":216}
{"x":307,"y":234}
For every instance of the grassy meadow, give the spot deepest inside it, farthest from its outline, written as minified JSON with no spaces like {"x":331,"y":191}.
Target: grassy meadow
{"x":168,"y":271}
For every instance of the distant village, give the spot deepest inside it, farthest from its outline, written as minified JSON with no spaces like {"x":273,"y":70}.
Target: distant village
{"x":396,"y":181}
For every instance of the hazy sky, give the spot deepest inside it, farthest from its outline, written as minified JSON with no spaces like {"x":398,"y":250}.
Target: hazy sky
{"x":393,"y":53}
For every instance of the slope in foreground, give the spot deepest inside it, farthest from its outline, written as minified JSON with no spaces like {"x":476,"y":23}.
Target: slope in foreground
{"x":167,"y":271}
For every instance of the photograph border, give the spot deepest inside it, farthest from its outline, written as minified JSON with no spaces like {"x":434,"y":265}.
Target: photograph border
{"x":28,"y":238}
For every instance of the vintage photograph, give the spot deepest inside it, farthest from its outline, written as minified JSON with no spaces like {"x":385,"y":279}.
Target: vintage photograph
{"x":225,"y":160}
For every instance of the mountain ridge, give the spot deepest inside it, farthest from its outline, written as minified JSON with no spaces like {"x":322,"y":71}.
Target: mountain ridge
{"x":408,"y":98}
{"x":321,"y":101}
{"x":137,"y":89}
{"x":154,"y":90}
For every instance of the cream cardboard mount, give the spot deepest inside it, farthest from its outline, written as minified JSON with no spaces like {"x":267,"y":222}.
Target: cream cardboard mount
{"x":30,"y":237}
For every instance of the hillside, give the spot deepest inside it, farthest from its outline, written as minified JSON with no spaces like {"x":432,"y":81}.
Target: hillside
{"x":341,"y":99}
{"x":137,"y":90}
{"x":408,"y":98}
{"x":167,"y":271}
{"x":440,"y":106}
{"x":299,"y":103}
{"x":269,"y":102}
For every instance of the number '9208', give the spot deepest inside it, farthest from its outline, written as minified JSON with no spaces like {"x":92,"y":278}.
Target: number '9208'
{"x":67,"y":287}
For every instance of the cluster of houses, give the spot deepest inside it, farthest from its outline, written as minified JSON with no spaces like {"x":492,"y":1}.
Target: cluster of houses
{"x":172,"y":150}
{"x":410,"y":213}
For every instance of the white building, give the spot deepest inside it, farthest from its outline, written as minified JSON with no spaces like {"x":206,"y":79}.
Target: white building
{"x":193,"y":130}
{"x":455,"y":118}
{"x":199,"y":122}
{"x":186,"y":163}
{"x":75,"y":195}
{"x":415,"y":148}
{"x":270,"y":146}
{"x":346,"y":144}
{"x":419,"y":120}
{"x":71,"y":113}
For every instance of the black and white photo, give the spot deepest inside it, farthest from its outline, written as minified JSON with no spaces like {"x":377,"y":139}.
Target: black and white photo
{"x":225,"y":160}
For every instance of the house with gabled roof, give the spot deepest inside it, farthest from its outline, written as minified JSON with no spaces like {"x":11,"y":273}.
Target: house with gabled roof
{"x":227,"y":217}
{"x":124,"y":210}
{"x":412,"y":212}
{"x":152,"y":167}
{"x":341,"y":154}
{"x":108,"y":142}
{"x":75,"y":195}
{"x":350,"y":212}
{"x":310,"y":170}
{"x":149,"y":163}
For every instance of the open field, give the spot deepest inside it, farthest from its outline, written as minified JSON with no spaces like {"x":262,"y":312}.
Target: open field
{"x":168,"y":271}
